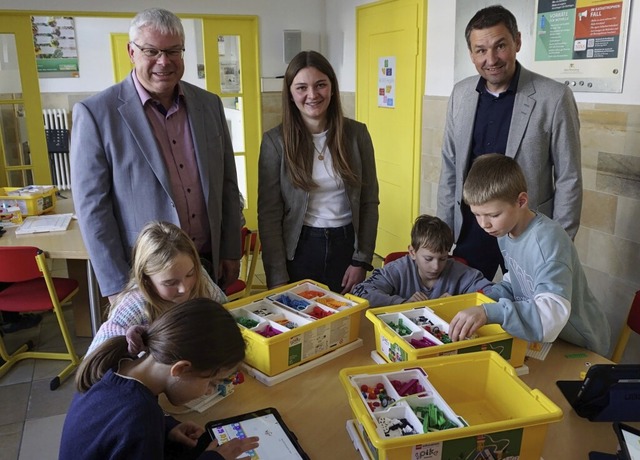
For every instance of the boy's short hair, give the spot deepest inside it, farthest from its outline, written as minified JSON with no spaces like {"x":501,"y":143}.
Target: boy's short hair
{"x":431,"y":233}
{"x":493,"y":177}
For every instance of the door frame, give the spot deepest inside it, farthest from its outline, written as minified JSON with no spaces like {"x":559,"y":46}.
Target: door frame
{"x":246,"y":27}
{"x":19,"y":25}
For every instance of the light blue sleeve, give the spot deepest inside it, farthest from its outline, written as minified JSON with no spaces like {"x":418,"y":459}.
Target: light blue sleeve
{"x":501,"y":290}
{"x":518,"y":318}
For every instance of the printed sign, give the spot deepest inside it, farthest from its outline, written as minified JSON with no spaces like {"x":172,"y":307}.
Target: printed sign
{"x":54,"y":40}
{"x":387,"y":82}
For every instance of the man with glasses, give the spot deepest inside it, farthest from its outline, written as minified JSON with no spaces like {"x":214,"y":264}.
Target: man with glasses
{"x":153,"y":147}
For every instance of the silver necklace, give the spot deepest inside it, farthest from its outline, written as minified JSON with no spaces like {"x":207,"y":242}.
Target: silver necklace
{"x":320,"y":153}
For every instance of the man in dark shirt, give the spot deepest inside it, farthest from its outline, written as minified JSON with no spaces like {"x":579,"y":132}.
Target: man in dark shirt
{"x":512,"y":111}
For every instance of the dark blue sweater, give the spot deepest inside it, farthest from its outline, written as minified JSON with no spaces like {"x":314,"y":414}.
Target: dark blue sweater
{"x":117,"y":418}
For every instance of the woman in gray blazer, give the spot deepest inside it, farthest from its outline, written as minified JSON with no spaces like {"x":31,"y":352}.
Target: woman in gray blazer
{"x":317,"y":184}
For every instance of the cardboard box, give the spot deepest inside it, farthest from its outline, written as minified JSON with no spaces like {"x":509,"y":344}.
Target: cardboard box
{"x":495,"y":413}
{"x":323,"y":322}
{"x":394,"y":347}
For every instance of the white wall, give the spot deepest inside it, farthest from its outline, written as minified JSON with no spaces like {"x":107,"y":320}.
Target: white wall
{"x":329,"y":26}
{"x":274,"y":17}
{"x":341,"y":40}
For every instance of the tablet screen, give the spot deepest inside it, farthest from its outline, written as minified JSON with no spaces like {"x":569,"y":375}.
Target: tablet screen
{"x":629,"y":439}
{"x":276,"y":441}
{"x":632,"y":443}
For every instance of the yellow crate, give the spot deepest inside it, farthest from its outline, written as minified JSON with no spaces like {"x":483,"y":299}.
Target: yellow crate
{"x":311,"y":338}
{"x":502,"y":417}
{"x":33,"y":201}
{"x":394,"y":347}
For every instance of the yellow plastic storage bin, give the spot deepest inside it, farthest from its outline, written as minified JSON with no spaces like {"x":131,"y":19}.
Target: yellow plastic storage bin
{"x":324,"y":322}
{"x":499,"y":415}
{"x":32,"y":200}
{"x":394,"y":347}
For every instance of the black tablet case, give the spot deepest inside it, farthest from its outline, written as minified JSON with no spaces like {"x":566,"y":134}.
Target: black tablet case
{"x":610,"y":392}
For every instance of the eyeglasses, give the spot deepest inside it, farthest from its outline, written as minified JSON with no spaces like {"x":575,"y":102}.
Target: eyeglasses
{"x":155,"y":53}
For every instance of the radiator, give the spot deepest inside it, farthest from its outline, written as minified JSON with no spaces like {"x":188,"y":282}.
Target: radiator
{"x":56,"y":127}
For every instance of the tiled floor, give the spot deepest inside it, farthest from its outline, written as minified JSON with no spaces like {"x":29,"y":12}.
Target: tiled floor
{"x":31,"y":415}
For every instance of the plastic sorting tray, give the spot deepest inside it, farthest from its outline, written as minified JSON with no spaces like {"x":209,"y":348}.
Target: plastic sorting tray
{"x":32,"y":200}
{"x":497,"y":415}
{"x":394,"y":345}
{"x":294,"y":324}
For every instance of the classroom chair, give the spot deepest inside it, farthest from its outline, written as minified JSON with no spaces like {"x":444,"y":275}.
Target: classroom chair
{"x":243,"y":286}
{"x":32,"y":288}
{"x":632,"y":324}
{"x":255,"y":249}
{"x":396,"y":255}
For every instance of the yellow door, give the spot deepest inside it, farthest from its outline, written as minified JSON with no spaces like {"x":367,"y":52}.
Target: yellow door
{"x":389,"y":88}
{"x":231,"y":63}
{"x":122,"y":64}
{"x":24,"y":159}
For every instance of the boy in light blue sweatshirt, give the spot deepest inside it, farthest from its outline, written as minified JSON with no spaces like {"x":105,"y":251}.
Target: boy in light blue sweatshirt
{"x":544,"y":294}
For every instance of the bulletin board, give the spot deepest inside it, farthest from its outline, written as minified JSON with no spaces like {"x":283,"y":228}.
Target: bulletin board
{"x":581,"y":43}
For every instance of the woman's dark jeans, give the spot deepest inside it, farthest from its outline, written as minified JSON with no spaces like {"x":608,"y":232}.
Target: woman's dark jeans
{"x":323,"y":255}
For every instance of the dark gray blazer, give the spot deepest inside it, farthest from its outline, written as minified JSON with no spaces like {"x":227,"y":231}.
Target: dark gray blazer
{"x":120,"y":181}
{"x":282,"y":206}
{"x":544,"y":138}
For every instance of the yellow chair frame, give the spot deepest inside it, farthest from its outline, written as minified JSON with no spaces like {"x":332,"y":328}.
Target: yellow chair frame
{"x":24,"y":352}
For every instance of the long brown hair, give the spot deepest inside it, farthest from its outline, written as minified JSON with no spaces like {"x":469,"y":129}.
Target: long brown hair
{"x":200,"y":331}
{"x":298,"y":141}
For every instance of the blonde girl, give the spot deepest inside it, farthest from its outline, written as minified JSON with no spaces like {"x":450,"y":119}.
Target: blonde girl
{"x":166,"y":270}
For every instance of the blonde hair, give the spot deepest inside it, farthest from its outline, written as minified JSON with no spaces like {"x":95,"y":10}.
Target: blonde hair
{"x":431,"y":233}
{"x":493,"y":177}
{"x":156,"y":249}
{"x":298,"y":141}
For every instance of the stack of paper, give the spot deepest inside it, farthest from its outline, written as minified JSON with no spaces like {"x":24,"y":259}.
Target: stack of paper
{"x":43,"y":224}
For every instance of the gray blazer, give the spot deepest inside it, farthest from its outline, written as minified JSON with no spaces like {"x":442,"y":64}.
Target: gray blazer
{"x":544,"y":138}
{"x":282,"y":206}
{"x":120,"y":181}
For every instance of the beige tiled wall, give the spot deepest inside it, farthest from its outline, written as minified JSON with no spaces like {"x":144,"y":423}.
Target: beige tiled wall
{"x":271,"y":110}
{"x":608,"y":241}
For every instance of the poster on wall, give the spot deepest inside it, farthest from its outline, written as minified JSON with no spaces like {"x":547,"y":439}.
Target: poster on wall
{"x":387,"y":82}
{"x":54,"y":39}
{"x":582,"y":42}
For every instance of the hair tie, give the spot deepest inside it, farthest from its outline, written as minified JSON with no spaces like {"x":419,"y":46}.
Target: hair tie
{"x":135,"y":343}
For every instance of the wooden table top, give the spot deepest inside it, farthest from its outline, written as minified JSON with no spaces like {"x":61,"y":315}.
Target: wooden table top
{"x":58,"y":245}
{"x":314,"y":404}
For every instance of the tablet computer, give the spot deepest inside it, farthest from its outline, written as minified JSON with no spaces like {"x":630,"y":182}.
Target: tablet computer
{"x":629,"y":440}
{"x":277,"y":442}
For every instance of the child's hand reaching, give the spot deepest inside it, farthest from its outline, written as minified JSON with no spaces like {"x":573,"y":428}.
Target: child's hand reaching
{"x":232,"y":450}
{"x":186,"y":433}
{"x":418,"y":297}
{"x":467,"y":322}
